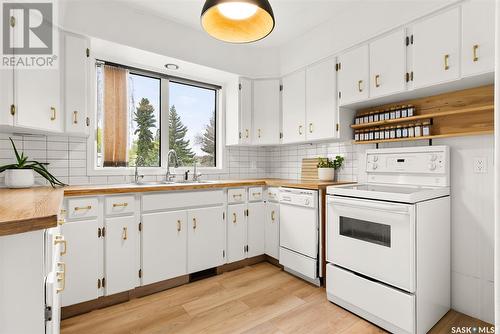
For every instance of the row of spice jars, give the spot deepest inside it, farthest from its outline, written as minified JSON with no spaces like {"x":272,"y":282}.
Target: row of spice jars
{"x":393,"y":132}
{"x":383,"y":115}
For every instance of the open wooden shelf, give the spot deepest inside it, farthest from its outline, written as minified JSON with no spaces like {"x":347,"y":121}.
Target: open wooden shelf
{"x":424,"y":116}
{"x":448,"y":135}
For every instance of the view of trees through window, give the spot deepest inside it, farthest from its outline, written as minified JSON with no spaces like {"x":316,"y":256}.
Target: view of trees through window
{"x":191,"y":122}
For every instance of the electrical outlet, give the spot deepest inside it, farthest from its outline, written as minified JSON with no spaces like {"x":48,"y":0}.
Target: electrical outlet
{"x":480,"y":165}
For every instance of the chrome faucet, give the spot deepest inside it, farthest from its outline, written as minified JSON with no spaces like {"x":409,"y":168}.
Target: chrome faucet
{"x":196,"y":176}
{"x":170,"y":176}
{"x":136,"y":173}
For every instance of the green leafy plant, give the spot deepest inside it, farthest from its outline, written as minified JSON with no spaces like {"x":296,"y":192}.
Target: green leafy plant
{"x":331,"y":163}
{"x":39,"y":167}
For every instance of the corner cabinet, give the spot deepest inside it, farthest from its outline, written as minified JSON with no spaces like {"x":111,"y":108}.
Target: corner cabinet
{"x":353,"y":75}
{"x":294,"y":107}
{"x":436,"y":51}
{"x":245,"y":111}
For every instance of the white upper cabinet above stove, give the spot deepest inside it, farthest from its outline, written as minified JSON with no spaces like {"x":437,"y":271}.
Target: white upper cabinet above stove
{"x":436,"y":52}
{"x":388,"y":64}
{"x":353,"y":71}
{"x":478,"y":37}
{"x":266,"y":112}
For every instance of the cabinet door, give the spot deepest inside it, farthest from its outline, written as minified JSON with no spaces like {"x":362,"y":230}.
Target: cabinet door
{"x":121,"y":254}
{"x":256,"y":221}
{"x":205,"y":238}
{"x":245,"y":111}
{"x":266,"y":112}
{"x":388,"y":64}
{"x":294,"y":107}
{"x":321,"y":97}
{"x":236,"y":232}
{"x":6,"y":96}
{"x":81,"y":259}
{"x":273,"y":229}
{"x":164,"y":246}
{"x":436,"y":49}
{"x":76,"y":82}
{"x":478,"y":37}
{"x":353,"y":75}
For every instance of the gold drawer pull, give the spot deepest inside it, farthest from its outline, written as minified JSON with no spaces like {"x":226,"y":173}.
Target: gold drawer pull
{"x":118,"y":205}
{"x":273,"y":216}
{"x":237,"y":196}
{"x":79,"y":208}
{"x":300,"y":130}
{"x":234,"y":218}
{"x":75,"y":117}
{"x":257,"y":194}
{"x":446,"y":62}
{"x":258,"y":132}
{"x":178,"y":226}
{"x":474,"y":53}
{"x":310,"y":128}
{"x":61,"y":277}
{"x":194,"y":223}
{"x":246,"y":133}
{"x":377,"y":80}
{"x":360,"y":89}
{"x":52,"y":113}
{"x":59,"y":239}
{"x":124,"y":234}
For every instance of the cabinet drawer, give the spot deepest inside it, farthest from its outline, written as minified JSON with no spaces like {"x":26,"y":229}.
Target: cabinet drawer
{"x":385,"y":305}
{"x":120,"y":205}
{"x":255,"y":194}
{"x":273,"y":194}
{"x":236,"y":195}
{"x":82,"y":207}
{"x":177,"y":200}
{"x":299,"y":263}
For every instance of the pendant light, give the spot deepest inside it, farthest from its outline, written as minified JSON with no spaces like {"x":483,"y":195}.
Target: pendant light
{"x":237,"y":21}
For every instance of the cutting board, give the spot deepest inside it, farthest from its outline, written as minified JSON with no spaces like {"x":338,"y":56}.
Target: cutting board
{"x":309,"y":170}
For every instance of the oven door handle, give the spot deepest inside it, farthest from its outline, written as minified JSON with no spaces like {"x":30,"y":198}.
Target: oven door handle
{"x":370,"y":205}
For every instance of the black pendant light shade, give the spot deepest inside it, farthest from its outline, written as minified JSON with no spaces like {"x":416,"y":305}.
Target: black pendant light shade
{"x":238,"y":21}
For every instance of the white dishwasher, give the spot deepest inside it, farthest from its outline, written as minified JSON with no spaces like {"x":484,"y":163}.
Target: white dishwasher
{"x":299,"y":233}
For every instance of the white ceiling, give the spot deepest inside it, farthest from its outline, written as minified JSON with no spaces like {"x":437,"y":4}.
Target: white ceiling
{"x":293,"y":17}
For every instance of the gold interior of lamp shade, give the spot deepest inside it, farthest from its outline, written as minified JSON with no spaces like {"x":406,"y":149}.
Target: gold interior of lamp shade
{"x":248,"y":30}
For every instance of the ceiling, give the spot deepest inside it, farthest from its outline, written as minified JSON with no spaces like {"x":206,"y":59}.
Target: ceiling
{"x":293,"y":17}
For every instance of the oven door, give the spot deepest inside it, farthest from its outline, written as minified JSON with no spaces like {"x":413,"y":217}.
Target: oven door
{"x":373,"y":238}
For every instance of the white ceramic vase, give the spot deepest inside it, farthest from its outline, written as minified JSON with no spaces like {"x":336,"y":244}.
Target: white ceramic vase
{"x":19,"y":178}
{"x":326,"y":174}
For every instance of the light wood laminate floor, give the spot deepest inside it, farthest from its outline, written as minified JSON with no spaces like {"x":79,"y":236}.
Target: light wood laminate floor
{"x":256,"y":299}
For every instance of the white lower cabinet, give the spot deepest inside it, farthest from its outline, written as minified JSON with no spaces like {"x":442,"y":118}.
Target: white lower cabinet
{"x":236,"y":232}
{"x":256,"y":217}
{"x":82,"y":261}
{"x":164,"y":246}
{"x":120,"y":254}
{"x":205,"y":238}
{"x":272,"y":230}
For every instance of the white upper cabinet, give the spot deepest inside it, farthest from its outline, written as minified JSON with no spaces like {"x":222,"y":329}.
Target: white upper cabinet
{"x":436,"y":49}
{"x":76,"y":82}
{"x":266,"y":112}
{"x":294,"y":107}
{"x":353,"y":75}
{"x":245,"y":102}
{"x":388,"y":64}
{"x":164,"y":246}
{"x":321,"y":100}
{"x":6,"y":97}
{"x":478,"y":37}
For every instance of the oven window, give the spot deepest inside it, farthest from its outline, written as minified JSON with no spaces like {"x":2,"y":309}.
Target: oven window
{"x":375,"y":233}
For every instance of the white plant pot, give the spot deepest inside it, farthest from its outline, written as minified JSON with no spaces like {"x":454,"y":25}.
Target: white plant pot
{"x":326,"y":174}
{"x":19,"y":178}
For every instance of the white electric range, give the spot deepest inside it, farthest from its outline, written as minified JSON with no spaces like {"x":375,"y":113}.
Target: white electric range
{"x":388,"y":240}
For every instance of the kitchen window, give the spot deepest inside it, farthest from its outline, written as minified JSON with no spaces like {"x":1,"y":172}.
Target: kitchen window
{"x":142,"y":115}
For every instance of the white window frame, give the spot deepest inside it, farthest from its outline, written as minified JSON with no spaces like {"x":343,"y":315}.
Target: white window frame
{"x":221,"y":168}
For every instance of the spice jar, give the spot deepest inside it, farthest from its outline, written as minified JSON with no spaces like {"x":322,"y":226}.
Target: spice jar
{"x":404,"y":112}
{"x":381,"y":133}
{"x":392,"y":113}
{"x":404,"y":131}
{"x":392,"y":132}
{"x":376,"y":134}
{"x":411,"y":130}
{"x":387,"y":133}
{"x":376,"y":116}
{"x":426,"y":128}
{"x":418,"y":130}
{"x":399,"y":133}
{"x":398,"y":113}
{"x":410,"y":109}
{"x":365,"y":118}
{"x":356,"y":135}
{"x":370,"y":117}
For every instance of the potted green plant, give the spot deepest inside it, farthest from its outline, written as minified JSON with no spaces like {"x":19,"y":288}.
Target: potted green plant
{"x":20,"y":174}
{"x":327,"y":168}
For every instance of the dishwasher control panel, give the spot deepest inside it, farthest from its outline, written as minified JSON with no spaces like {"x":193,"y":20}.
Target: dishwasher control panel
{"x":299,"y":197}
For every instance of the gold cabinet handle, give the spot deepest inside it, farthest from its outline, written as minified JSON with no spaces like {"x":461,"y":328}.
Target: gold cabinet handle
{"x":59,"y":239}
{"x":124,"y":234}
{"x":194,"y":223}
{"x":377,"y":82}
{"x":474,"y":53}
{"x":310,"y":128}
{"x":246,"y":133}
{"x":256,"y":194}
{"x":120,"y":205}
{"x":79,"y":208}
{"x":234,"y":218}
{"x":273,"y":216}
{"x":61,"y":277}
{"x":52,"y":113}
{"x":237,"y":195}
{"x":75,"y":117}
{"x":300,"y":130}
{"x":360,"y":89}
{"x":446,"y":62}
{"x":258,"y":131}
{"x":178,"y":226}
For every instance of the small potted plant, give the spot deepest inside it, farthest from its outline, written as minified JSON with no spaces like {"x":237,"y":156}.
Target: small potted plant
{"x":327,"y":168}
{"x":20,"y":174}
